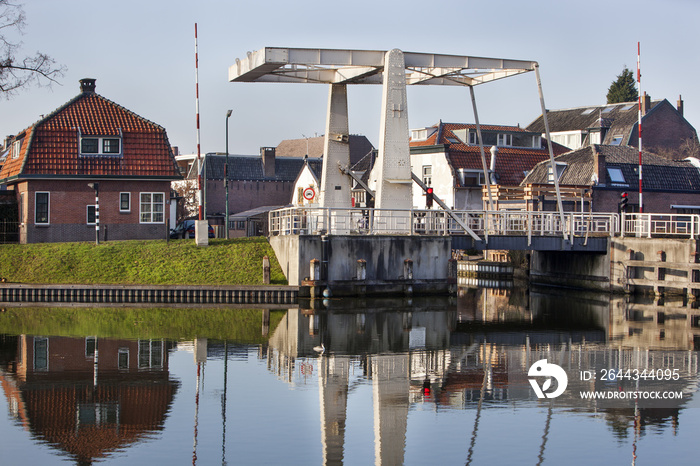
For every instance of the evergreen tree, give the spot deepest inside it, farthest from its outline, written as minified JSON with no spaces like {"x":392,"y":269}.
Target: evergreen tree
{"x":623,"y":89}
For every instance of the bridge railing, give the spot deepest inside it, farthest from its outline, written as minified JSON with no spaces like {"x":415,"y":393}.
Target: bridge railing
{"x":520,"y":223}
{"x":658,"y":225}
{"x":299,"y":220}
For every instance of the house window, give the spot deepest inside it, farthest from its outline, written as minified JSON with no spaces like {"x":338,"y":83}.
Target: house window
{"x":594,"y":137}
{"x":90,"y":346}
{"x":504,"y":140}
{"x":150,"y":354}
{"x":472,"y":138}
{"x":428,"y":175}
{"x":41,"y":354}
{"x":16,"y":148}
{"x":560,"y":170}
{"x":616,"y":140}
{"x":124,"y":202}
{"x":616,"y":175}
{"x":91,"y":145}
{"x":152,"y":207}
{"x":91,"y":217}
{"x":123,"y":358}
{"x":41,"y":208}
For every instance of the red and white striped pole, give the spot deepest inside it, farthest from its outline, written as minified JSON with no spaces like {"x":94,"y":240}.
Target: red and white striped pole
{"x":639,"y":127}
{"x":200,"y":196}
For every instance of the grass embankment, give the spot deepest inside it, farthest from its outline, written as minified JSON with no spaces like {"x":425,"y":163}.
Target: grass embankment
{"x":178,"y":262}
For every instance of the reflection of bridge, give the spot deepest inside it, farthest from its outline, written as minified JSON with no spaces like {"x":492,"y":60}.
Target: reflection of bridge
{"x":469,"y":356}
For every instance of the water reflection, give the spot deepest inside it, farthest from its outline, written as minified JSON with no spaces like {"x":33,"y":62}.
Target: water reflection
{"x":86,"y":396}
{"x":90,"y":397}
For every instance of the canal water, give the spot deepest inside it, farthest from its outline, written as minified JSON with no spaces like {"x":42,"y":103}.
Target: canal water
{"x":402,"y":381}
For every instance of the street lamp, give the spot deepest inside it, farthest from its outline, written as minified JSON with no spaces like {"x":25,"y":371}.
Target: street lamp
{"x":228,"y":114}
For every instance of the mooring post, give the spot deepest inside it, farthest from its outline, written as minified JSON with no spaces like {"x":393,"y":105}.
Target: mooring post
{"x":265,"y":322}
{"x":315,"y":269}
{"x":266,"y":270}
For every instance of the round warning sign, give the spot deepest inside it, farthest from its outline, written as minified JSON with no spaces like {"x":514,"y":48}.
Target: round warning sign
{"x":309,"y":194}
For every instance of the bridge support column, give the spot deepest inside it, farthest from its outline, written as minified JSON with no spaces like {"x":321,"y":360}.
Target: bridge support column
{"x":393,"y":167}
{"x":335,"y":187}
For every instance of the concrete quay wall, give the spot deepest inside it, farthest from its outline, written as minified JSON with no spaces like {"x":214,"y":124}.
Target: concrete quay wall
{"x":386,"y":262}
{"x":630,"y":265}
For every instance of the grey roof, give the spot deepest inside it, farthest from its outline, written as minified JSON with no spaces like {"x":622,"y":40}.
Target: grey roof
{"x":248,"y":168}
{"x":254,"y":212}
{"x":620,"y":118}
{"x":359,"y":146}
{"x":659,"y":173}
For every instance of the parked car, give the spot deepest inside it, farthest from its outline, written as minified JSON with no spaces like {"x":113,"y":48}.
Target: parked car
{"x":185,"y":229}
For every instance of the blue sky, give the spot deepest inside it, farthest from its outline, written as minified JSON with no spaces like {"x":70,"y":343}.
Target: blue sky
{"x":142,"y":55}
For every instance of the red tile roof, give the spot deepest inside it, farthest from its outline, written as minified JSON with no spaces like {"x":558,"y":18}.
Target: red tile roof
{"x":51,"y":146}
{"x":512,"y":163}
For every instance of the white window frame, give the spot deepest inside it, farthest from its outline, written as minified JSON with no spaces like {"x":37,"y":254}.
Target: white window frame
{"x":560,"y":166}
{"x":473,"y":140}
{"x":16,"y":148}
{"x":101,"y":140}
{"x":87,"y":214}
{"x":128,"y":209}
{"x":48,"y":208}
{"x":504,"y":140}
{"x":428,"y":175}
{"x":120,"y":352}
{"x":151,"y":212}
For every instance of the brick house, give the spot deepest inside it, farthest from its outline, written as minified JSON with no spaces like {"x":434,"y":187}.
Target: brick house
{"x":54,"y":164}
{"x":607,"y":171}
{"x":447,"y":157}
{"x":664,"y":129}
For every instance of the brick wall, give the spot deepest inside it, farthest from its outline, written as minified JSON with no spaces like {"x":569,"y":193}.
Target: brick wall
{"x":246,"y":195}
{"x":654,"y":202}
{"x":663,"y":130}
{"x":68,"y":201}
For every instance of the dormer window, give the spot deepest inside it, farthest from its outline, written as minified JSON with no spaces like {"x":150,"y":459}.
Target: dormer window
{"x":107,"y":145}
{"x":16,"y":147}
{"x":561,"y":166}
{"x":504,"y":140}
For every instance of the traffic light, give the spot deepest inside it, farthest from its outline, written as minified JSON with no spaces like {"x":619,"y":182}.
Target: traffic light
{"x":429,"y":198}
{"x":622,"y":206}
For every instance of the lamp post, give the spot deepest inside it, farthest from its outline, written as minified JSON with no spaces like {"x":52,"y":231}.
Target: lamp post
{"x":228,"y":114}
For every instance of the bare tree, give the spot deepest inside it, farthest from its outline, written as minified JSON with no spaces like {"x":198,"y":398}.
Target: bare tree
{"x":188,"y":205}
{"x":17,"y":72}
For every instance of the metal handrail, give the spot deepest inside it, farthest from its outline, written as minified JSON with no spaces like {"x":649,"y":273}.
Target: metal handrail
{"x":316,"y":220}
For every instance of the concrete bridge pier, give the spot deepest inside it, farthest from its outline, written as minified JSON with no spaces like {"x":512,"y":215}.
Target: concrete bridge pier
{"x":366,"y":265}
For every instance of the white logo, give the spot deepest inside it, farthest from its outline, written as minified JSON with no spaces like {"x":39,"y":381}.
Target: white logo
{"x":542,"y":369}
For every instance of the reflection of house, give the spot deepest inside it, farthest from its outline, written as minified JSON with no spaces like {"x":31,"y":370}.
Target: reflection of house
{"x":88,"y":396}
{"x":607,"y":171}
{"x":56,"y":166}
{"x":447,"y":157}
{"x":664,"y":129}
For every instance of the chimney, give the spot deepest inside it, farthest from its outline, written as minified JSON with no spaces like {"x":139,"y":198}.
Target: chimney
{"x":87,"y":85}
{"x":268,"y":160}
{"x":8,"y":140}
{"x":492,"y":167}
{"x":646,"y":103}
{"x":598,"y":165}
{"x":679,"y":105}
